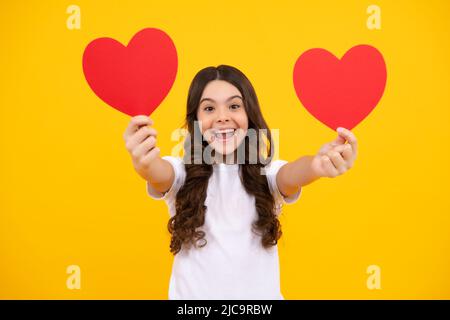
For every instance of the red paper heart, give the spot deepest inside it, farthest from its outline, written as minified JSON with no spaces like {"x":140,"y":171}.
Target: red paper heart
{"x":134,"y":79}
{"x":340,"y":93}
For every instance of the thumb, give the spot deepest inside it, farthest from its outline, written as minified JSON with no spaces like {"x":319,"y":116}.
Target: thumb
{"x":339,"y":140}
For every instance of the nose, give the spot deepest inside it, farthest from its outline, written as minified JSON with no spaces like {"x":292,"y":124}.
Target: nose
{"x":223,"y":115}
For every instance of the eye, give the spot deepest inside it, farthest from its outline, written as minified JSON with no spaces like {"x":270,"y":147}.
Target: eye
{"x":235,"y":106}
{"x":208,"y":108}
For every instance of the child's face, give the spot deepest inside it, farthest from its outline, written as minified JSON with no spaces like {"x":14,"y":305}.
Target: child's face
{"x":221,"y":107}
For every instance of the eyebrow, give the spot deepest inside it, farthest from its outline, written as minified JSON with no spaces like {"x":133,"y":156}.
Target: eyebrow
{"x":209,"y":99}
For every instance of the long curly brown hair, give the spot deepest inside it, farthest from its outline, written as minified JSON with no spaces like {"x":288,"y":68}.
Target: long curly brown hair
{"x":190,"y":199}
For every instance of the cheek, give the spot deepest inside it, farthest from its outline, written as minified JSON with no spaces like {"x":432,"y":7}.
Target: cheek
{"x":205,"y":123}
{"x":243,"y":121}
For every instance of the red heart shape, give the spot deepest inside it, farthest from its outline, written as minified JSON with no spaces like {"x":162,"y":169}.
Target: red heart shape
{"x":340,"y":93}
{"x":133,"y":79}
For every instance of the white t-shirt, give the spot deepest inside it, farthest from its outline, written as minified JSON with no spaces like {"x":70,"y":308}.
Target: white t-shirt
{"x":233,"y":264}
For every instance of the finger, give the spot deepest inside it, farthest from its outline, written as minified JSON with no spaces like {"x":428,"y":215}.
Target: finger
{"x":143,"y":148}
{"x":338,"y":161}
{"x":139,"y":136}
{"x":141,"y":119}
{"x":338,"y":141}
{"x":143,"y":132}
{"x":328,"y":167}
{"x":348,"y":155}
{"x":328,"y":147}
{"x":340,"y":148}
{"x":349,"y":136}
{"x":135,"y":124}
{"x":150,"y":156}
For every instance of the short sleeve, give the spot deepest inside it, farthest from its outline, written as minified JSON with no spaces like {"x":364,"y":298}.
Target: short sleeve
{"x":180,"y":176}
{"x":271,"y":171}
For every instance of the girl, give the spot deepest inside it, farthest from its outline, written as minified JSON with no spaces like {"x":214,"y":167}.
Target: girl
{"x":225,"y":195}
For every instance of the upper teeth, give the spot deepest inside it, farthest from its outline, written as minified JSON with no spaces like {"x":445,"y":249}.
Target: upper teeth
{"x":225,"y":131}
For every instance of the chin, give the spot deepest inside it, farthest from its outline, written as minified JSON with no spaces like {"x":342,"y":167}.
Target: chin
{"x":224,"y":151}
{"x":228,"y":147}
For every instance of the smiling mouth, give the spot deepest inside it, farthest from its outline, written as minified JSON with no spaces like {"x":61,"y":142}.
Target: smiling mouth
{"x":224,"y":135}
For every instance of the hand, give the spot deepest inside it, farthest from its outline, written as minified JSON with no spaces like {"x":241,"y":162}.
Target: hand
{"x":140,"y":141}
{"x":336,"y":157}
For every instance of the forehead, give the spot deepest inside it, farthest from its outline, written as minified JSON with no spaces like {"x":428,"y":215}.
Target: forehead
{"x":219,"y":90}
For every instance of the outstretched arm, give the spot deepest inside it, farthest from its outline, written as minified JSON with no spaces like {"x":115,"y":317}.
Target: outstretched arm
{"x":333,"y":159}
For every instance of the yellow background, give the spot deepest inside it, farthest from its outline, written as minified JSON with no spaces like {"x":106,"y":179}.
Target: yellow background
{"x":69,"y":194}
